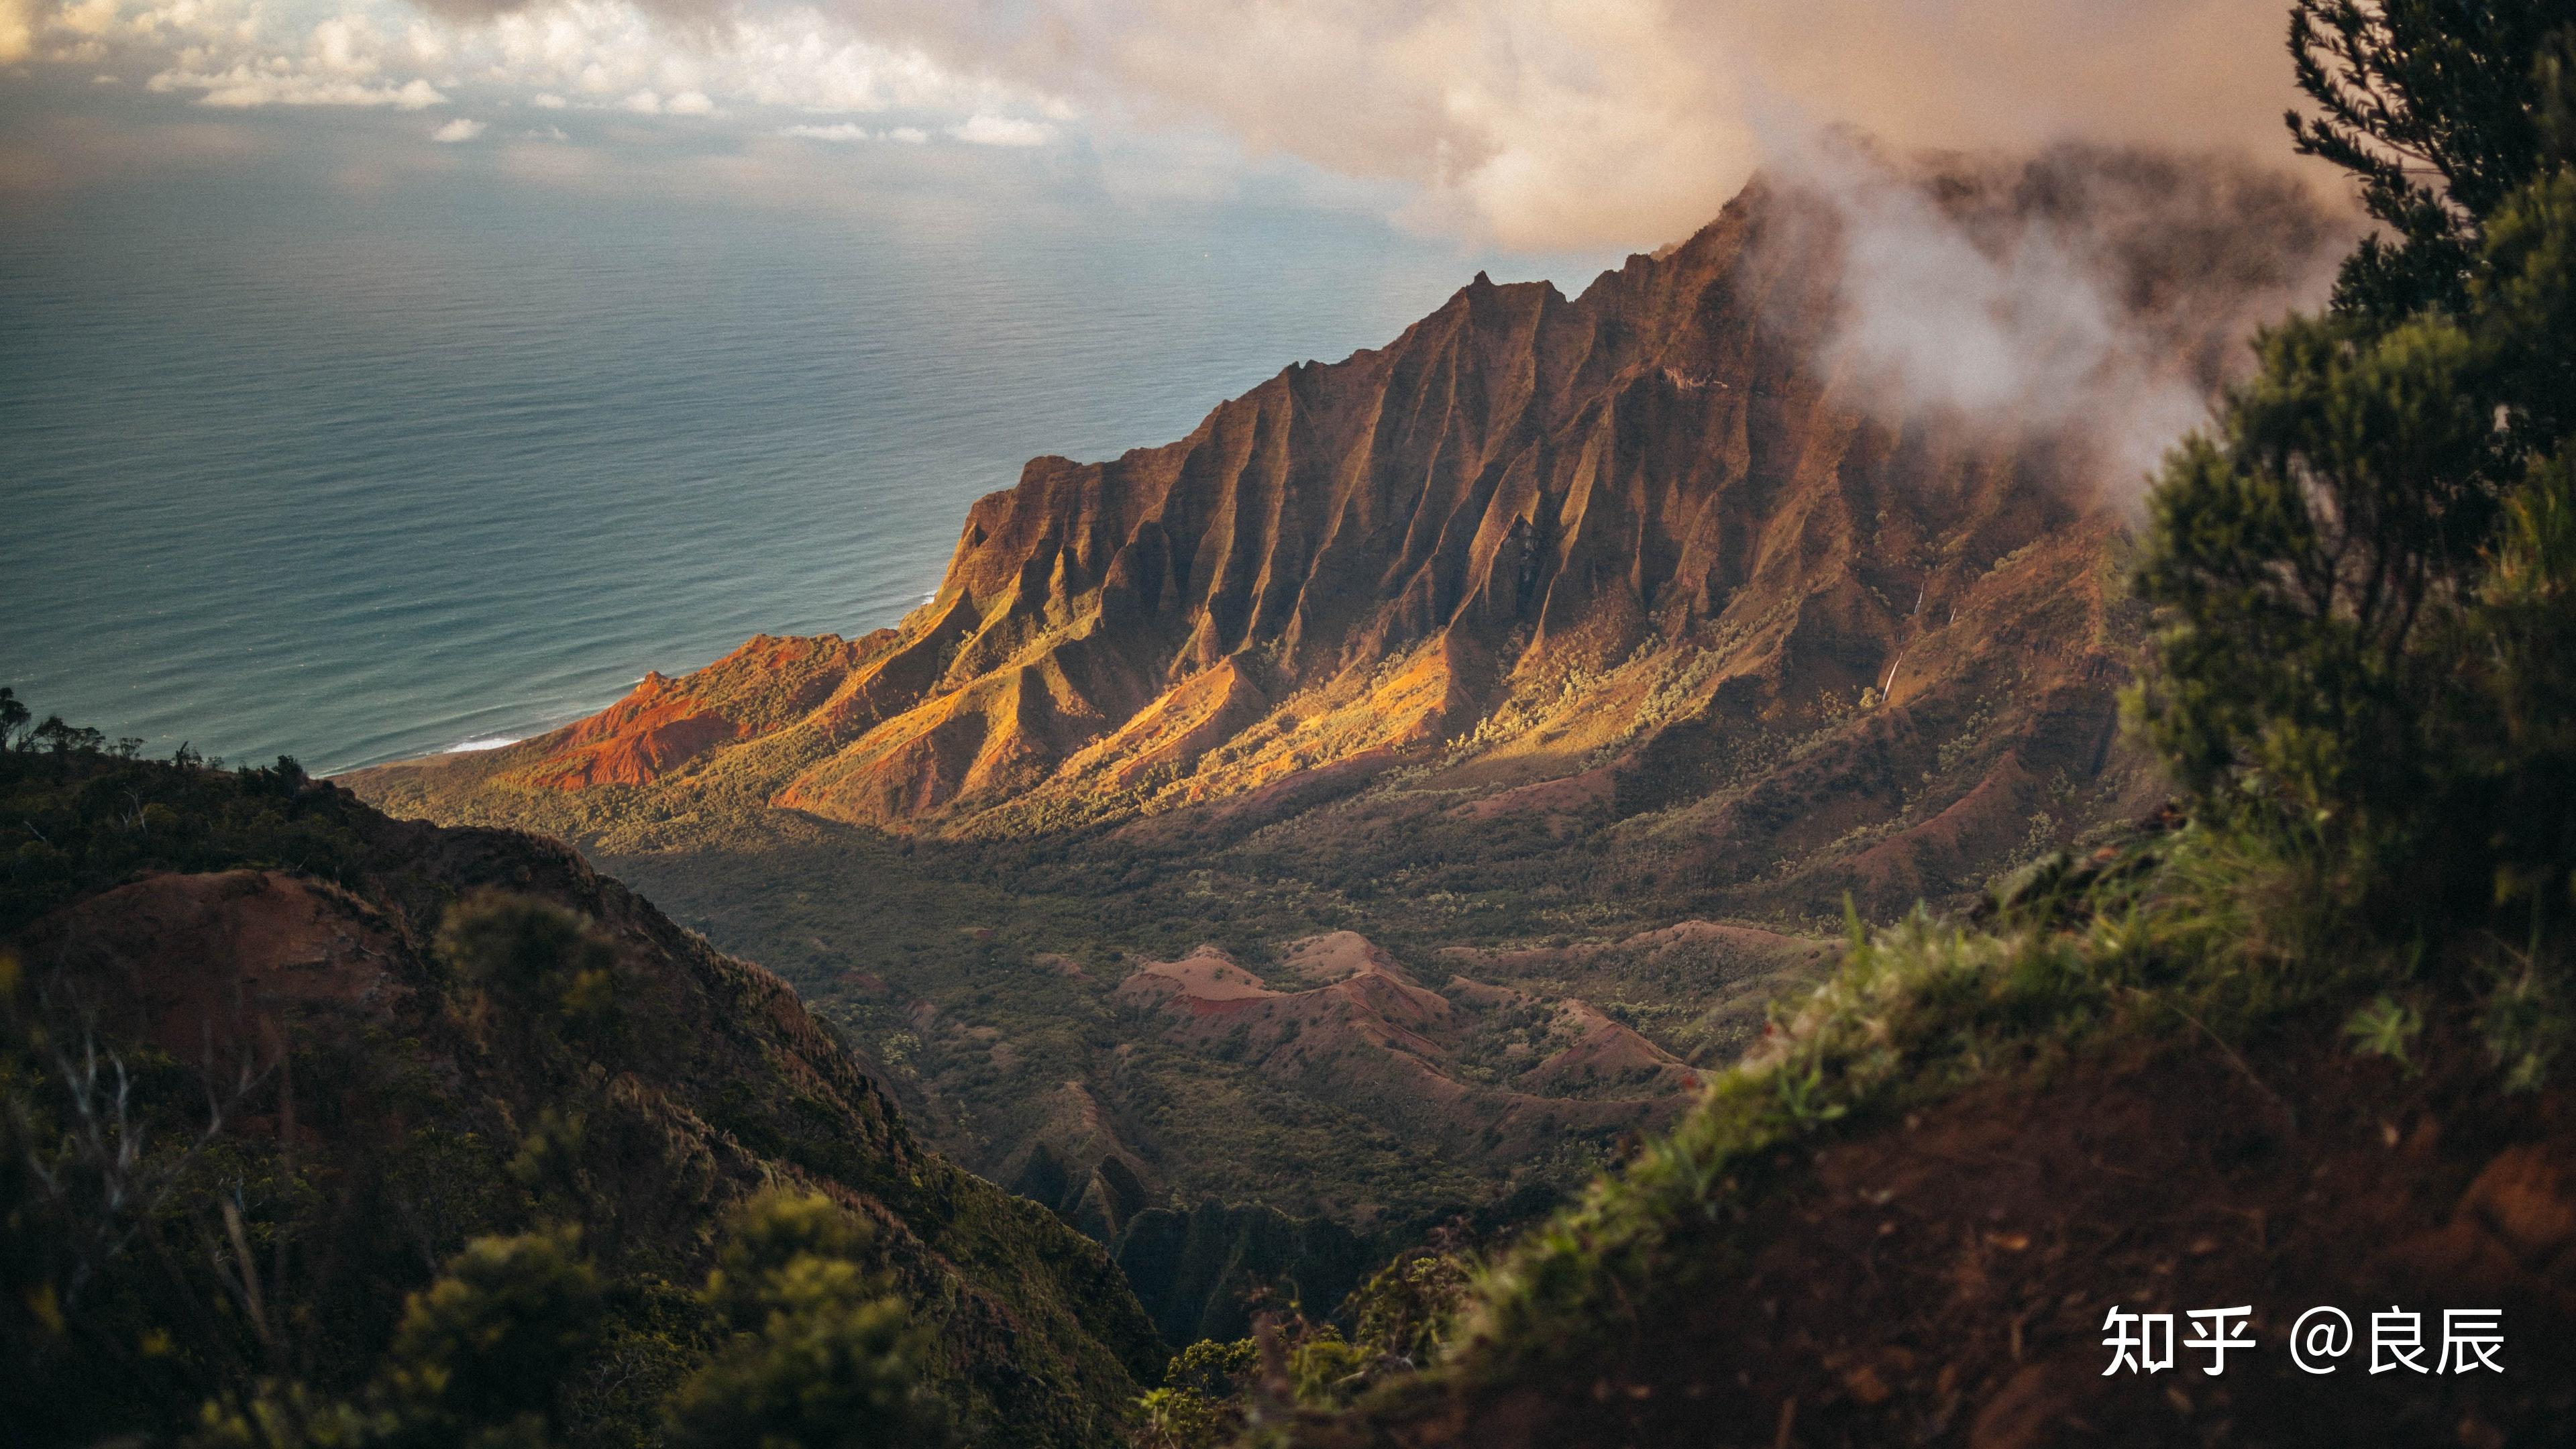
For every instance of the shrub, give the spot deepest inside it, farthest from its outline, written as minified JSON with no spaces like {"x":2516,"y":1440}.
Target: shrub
{"x":532,"y":951}
{"x":2362,"y":571}
{"x":822,"y":1353}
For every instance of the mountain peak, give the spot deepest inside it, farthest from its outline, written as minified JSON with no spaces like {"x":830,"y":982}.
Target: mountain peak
{"x":1640,"y":538}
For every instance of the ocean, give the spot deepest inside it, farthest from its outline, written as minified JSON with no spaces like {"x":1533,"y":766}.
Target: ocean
{"x":296,"y":467}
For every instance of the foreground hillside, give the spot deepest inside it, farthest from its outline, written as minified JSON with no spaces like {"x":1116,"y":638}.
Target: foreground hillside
{"x":275,"y":1058}
{"x":1909,"y":1220}
{"x":1577,"y":658}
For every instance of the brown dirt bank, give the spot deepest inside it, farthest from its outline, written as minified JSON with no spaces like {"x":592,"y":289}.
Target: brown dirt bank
{"x":1944,"y":1279}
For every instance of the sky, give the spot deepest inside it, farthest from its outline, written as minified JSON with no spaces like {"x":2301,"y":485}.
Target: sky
{"x":1527,"y":125}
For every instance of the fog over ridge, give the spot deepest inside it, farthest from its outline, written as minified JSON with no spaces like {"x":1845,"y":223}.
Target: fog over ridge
{"x":2103,"y":295}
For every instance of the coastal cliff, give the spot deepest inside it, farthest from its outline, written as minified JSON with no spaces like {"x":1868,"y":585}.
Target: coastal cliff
{"x":1655,"y":558}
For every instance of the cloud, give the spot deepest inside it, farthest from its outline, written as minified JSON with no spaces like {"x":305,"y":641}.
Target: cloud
{"x":909,"y":135}
{"x":844,"y":132}
{"x":246,"y":86}
{"x":2095,"y":293}
{"x":89,"y":17}
{"x":784,"y":56}
{"x":238,"y":54}
{"x":17,"y":30}
{"x":457,"y":131}
{"x":1532,"y":124}
{"x":1561,"y":123}
{"x":1002,"y":131}
{"x":345,"y":45}
{"x":552,"y":55}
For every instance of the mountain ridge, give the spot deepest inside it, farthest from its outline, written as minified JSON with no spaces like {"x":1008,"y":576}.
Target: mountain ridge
{"x":1504,"y":647}
{"x":1663,"y":503}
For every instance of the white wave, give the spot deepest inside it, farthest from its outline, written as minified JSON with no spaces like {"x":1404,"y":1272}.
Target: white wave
{"x":469,"y":746}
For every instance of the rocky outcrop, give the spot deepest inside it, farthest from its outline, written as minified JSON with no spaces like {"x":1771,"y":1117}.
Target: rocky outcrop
{"x":263,"y":946}
{"x":667,"y":724}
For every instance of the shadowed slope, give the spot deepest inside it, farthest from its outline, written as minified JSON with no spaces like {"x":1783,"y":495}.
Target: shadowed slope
{"x":384,"y":1096}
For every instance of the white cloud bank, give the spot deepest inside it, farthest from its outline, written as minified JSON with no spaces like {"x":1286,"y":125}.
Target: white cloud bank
{"x":1551,"y":123}
{"x":1532,"y":123}
{"x":562,"y":55}
{"x":1002,"y":131}
{"x":247,"y":84}
{"x":458,"y":131}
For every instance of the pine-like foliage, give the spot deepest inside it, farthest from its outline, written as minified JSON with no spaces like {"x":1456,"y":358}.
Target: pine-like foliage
{"x":2362,"y":568}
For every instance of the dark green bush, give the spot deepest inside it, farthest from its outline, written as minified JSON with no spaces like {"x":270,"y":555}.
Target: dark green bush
{"x":2362,"y":570}
{"x":822,"y":1354}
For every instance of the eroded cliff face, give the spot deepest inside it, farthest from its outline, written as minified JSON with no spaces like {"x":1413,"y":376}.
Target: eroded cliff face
{"x":665,"y":725}
{"x":1654,"y":543}
{"x":1518,"y":493}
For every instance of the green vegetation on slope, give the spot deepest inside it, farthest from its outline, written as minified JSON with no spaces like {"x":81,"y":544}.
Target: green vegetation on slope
{"x":873,"y":928}
{"x":291,"y":1085}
